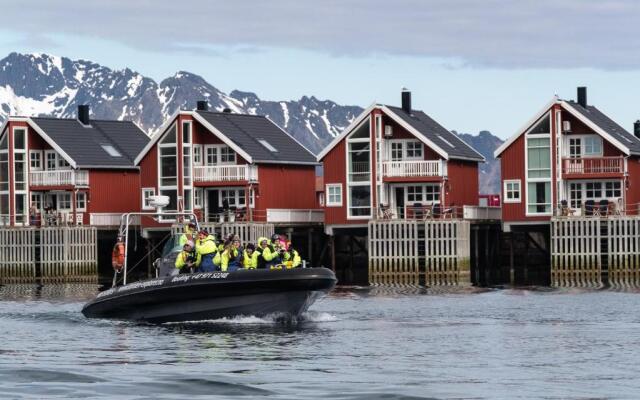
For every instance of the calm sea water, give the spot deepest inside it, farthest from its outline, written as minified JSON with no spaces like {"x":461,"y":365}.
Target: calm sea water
{"x":355,"y":344}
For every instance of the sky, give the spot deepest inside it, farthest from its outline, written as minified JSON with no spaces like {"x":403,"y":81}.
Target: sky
{"x":471,"y":64}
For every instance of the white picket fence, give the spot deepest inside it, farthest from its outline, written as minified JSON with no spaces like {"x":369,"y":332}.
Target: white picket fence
{"x":580,"y":244}
{"x":69,"y":253}
{"x":17,"y":255}
{"x":409,"y":252}
{"x":63,"y":254}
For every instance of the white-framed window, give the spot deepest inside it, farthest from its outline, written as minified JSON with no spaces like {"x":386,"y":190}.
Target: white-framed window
{"x":35,"y":160}
{"x":512,"y":191}
{"x":414,"y":149}
{"x":64,"y":201}
{"x":50,"y":156}
{"x":36,"y":200}
{"x":81,"y":201}
{"x":197,"y":198}
{"x":334,"y":195}
{"x":62,"y":163}
{"x":592,"y":145}
{"x":197,"y":154}
{"x":227,"y":155}
{"x":146,"y":194}
{"x":4,"y":180}
{"x":20,"y":176}
{"x":613,"y":189}
{"x":233,"y":198}
{"x":538,"y":172}
{"x":414,"y":194}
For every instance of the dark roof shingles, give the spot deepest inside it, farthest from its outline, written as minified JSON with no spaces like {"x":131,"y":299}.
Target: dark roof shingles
{"x":83,"y":143}
{"x":608,"y":125}
{"x":431,"y":130}
{"x":245,"y":131}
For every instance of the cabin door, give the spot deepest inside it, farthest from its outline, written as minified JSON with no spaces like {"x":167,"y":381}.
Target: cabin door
{"x":399,"y":197}
{"x":213,"y":208}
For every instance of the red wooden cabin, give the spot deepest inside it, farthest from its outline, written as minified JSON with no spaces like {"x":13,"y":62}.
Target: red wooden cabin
{"x":570,"y":159}
{"x":68,"y":171}
{"x":230,"y":167}
{"x":396,"y":162}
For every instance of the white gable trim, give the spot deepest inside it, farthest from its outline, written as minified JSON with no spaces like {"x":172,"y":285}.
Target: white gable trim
{"x":222,"y":137}
{"x":415,"y":132}
{"x":355,"y":123}
{"x":158,"y":135}
{"x":51,"y":142}
{"x":596,"y":128}
{"x":525,"y":127}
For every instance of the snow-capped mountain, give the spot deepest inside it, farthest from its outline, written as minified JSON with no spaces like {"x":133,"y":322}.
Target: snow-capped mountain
{"x":42,"y":84}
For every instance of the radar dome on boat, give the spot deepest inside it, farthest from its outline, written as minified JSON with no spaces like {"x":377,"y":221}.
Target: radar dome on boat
{"x":158,"y":201}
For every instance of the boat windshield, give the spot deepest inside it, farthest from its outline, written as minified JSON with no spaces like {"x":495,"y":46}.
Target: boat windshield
{"x":172,"y":245}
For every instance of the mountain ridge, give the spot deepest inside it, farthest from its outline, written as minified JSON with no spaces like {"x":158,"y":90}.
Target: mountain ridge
{"x":40,"y":84}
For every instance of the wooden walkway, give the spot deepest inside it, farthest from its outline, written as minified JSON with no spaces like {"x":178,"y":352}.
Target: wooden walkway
{"x":431,"y":253}
{"x":53,"y":254}
{"x":594,"y":252}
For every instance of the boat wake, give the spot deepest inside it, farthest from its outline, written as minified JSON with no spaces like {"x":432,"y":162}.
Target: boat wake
{"x":271,"y":319}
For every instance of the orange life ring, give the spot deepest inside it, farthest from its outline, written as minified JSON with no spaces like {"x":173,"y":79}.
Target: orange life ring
{"x":117,"y":256}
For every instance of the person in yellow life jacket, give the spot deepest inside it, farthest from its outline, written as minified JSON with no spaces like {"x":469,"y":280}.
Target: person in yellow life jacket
{"x":232,"y":256}
{"x":269,"y":257}
{"x":189,"y":233}
{"x":292,"y":257}
{"x":207,"y":249}
{"x":251,"y":255}
{"x":188,"y":259}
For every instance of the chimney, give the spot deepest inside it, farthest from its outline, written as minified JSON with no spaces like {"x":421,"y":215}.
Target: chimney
{"x":201,"y":105}
{"x":83,"y":114}
{"x":406,"y":100}
{"x":582,"y":96}
{"x":227,"y":110}
{"x":636,"y":128}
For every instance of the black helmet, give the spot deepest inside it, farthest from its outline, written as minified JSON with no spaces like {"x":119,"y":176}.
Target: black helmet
{"x":275,"y":237}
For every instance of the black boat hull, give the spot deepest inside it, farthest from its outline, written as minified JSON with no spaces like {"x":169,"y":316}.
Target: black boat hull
{"x":214,"y":295}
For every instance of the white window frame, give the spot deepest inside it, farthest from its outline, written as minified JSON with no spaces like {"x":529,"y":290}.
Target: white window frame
{"x":187,"y":147}
{"x":84,"y":201}
{"x":178,"y":166}
{"x":39,"y":159}
{"x":328,"y":201}
{"x":404,"y":149}
{"x":59,"y":201}
{"x":147,"y":192}
{"x":198,"y":197}
{"x":45,"y":164}
{"x":506,"y":190}
{"x":23,"y":192}
{"x":528,"y":180}
{"x":583,"y":145}
{"x":197,"y":154}
{"x":347,"y":192}
{"x":218,"y":156}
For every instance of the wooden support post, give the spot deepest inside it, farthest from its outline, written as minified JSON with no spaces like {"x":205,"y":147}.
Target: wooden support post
{"x":332,"y":244}
{"x":512,"y":269}
{"x":310,"y":247}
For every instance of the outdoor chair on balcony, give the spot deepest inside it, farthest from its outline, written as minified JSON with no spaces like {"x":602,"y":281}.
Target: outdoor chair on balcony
{"x":79,"y":219}
{"x":417,"y":211}
{"x":603,"y":208}
{"x":436,"y":211}
{"x":590,"y":208}
{"x":241,"y":214}
{"x":565,"y":210}
{"x":385,"y":212}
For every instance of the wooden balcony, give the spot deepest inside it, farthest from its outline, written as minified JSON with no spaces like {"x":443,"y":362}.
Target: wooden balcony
{"x":225,"y":173}
{"x":66,"y":177}
{"x":413,"y":169}
{"x":603,"y":167}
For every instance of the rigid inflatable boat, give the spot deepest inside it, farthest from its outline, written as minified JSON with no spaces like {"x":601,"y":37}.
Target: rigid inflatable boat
{"x":207,"y":295}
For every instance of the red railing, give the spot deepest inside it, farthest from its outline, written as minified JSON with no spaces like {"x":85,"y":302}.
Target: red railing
{"x":600,"y":165}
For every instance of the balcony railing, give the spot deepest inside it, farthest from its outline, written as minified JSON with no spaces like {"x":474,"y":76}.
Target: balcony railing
{"x":59,"y":178}
{"x":406,"y":169}
{"x":600,"y":165}
{"x":294,"y":215}
{"x":225,"y":173}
